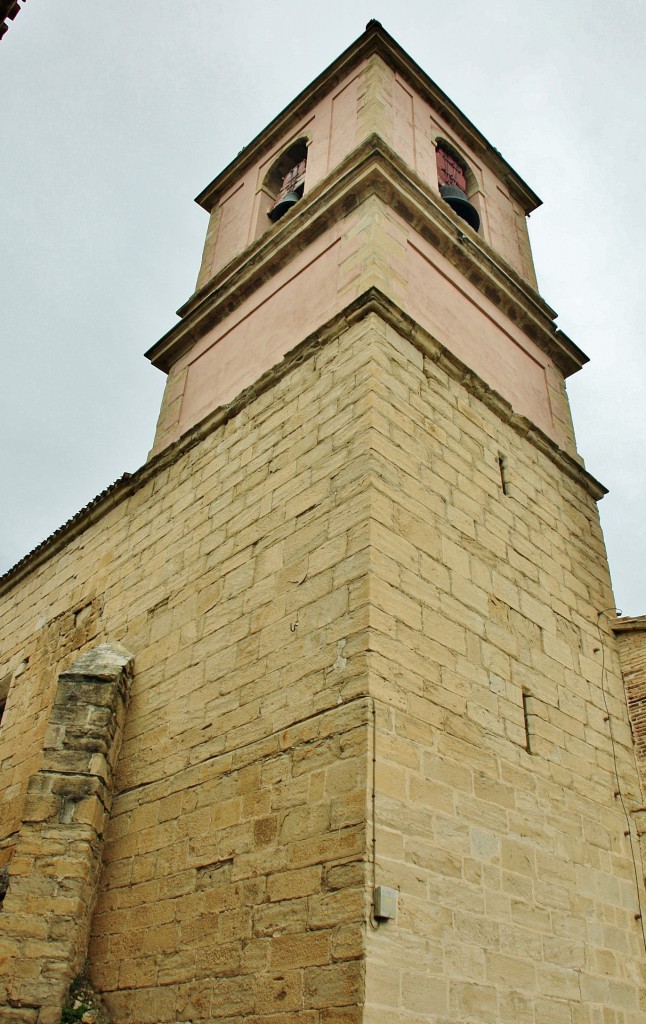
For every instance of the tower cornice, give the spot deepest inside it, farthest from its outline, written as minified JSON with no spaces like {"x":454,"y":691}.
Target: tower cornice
{"x":372,"y":169}
{"x":370,"y":302}
{"x":374,"y":41}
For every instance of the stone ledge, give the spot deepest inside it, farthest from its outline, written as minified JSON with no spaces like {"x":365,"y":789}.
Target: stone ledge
{"x":628,"y":624}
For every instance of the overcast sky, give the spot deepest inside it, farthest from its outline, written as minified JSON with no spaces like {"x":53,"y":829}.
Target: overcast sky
{"x":116,"y":114}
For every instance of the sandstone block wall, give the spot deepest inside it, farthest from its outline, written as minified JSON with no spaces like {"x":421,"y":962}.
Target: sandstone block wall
{"x":236,"y":573}
{"x":497,"y":808}
{"x":54,"y":871}
{"x":340,"y":545}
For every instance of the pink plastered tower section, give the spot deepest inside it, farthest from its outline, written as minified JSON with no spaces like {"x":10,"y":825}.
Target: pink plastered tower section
{"x":371,"y":217}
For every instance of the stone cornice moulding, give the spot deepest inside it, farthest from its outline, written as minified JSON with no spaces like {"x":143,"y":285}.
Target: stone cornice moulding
{"x":376,"y":302}
{"x":330,"y":186}
{"x":629,"y":624}
{"x":375,"y":40}
{"x":373,"y":168}
{"x":371,"y":301}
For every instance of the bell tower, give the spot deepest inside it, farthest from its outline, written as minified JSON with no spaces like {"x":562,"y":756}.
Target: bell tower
{"x":376,"y":767}
{"x":370,"y":179}
{"x":372,"y":213}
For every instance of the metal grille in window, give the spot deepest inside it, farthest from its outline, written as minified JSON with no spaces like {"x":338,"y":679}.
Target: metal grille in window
{"x":449,"y":171}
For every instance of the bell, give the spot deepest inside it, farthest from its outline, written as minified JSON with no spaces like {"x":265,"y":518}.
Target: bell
{"x":459,"y":203}
{"x":283,"y":205}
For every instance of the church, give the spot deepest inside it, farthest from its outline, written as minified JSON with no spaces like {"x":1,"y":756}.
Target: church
{"x":325,"y":714}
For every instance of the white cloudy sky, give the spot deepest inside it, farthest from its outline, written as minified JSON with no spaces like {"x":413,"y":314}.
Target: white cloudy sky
{"x":114,"y":116}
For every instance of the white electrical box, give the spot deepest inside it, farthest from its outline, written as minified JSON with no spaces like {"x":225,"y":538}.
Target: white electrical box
{"x":385,"y":903}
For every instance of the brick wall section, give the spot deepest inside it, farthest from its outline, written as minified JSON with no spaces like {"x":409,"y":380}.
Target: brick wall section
{"x":631,"y":638}
{"x":53,"y":874}
{"x":344,"y":537}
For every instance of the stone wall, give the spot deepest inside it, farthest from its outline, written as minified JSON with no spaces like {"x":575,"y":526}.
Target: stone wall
{"x":236,"y":572}
{"x":54,"y":872}
{"x":333,"y":553}
{"x":497,"y":805}
{"x":631,"y":638}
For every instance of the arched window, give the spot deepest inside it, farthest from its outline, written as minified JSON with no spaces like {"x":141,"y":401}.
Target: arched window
{"x":450,"y":169}
{"x":285,"y":181}
{"x":453,"y":176}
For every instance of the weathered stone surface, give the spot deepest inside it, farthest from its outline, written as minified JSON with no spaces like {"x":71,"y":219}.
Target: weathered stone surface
{"x":240,"y":838}
{"x":65,"y":811}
